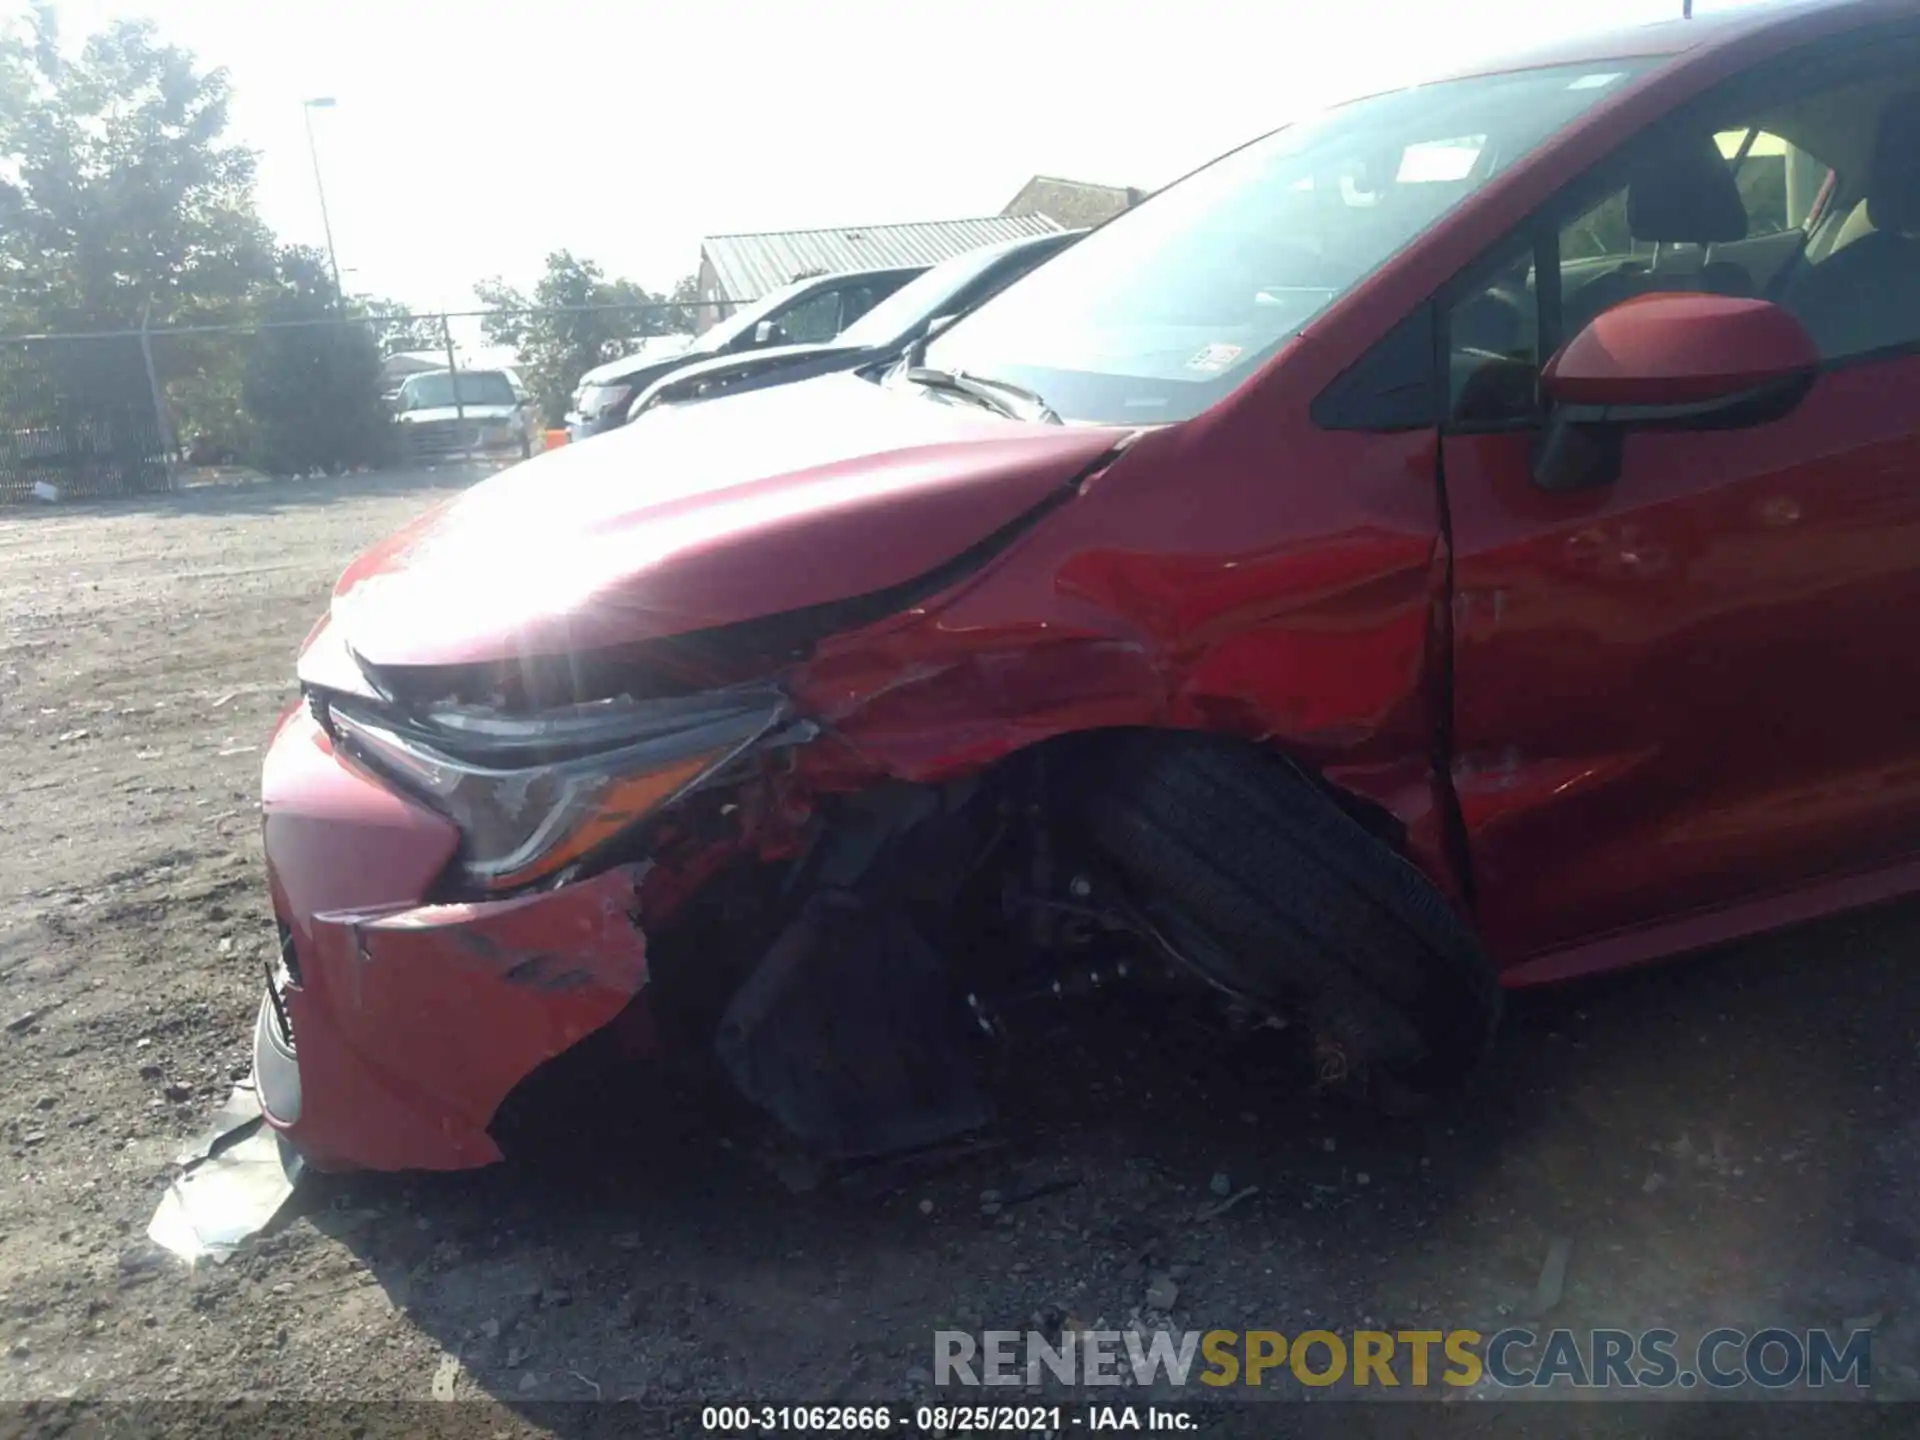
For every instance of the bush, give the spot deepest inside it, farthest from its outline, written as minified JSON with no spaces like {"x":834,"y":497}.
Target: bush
{"x":311,"y":395}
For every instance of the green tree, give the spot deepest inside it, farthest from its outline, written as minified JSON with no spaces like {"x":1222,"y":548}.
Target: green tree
{"x":685,"y":296}
{"x":576,"y":318}
{"x":397,"y":327}
{"x":122,"y":197}
{"x":312,"y":390}
{"x":121,"y":201}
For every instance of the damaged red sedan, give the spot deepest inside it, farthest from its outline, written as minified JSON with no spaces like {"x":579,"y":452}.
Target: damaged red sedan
{"x":1464,"y":539}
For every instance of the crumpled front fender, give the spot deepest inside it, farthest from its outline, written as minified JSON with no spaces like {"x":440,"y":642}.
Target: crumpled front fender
{"x":412,"y":1024}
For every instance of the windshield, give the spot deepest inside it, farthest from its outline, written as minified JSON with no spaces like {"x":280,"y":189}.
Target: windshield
{"x":477,"y":387}
{"x":1165,"y":309}
{"x":919,"y":300}
{"x":741,"y":321}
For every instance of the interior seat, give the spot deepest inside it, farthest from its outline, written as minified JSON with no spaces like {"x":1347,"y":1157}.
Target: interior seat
{"x":1866,"y":295}
{"x":1677,"y":195}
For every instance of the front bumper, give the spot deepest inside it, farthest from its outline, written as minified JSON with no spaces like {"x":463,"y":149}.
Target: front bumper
{"x":412,"y":1021}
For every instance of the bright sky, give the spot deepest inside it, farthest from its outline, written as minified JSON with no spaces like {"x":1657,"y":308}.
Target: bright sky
{"x":473,"y":136}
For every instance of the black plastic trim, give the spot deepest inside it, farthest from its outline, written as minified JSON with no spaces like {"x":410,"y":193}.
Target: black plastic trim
{"x":1393,"y":387}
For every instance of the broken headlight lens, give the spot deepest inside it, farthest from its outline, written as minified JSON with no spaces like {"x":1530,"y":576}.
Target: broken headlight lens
{"x":531,"y":794}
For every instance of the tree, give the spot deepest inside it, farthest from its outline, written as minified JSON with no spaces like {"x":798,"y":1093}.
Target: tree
{"x":396,"y":327}
{"x":121,"y":202}
{"x":312,"y":387}
{"x":685,"y":296}
{"x":575,"y":319}
{"x":123,"y":199}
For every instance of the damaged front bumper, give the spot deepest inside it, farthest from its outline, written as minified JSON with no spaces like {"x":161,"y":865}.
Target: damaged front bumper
{"x":410,"y":1021}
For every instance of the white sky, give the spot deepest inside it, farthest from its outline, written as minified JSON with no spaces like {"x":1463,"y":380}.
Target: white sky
{"x":473,"y":136}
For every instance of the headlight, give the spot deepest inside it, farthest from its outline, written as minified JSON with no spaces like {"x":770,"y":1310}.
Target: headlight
{"x":533,"y":794}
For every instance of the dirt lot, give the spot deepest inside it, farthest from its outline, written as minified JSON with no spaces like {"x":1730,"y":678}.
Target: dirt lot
{"x":1704,"y":1135}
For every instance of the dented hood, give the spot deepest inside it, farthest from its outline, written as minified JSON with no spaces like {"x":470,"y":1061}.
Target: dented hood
{"x":748,"y":506}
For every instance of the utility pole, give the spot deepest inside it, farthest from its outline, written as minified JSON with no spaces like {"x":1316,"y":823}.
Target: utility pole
{"x":163,"y":421}
{"x":307,"y":107}
{"x":453,"y":370}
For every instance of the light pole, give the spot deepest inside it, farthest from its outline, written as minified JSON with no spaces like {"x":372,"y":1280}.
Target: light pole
{"x":307,"y":107}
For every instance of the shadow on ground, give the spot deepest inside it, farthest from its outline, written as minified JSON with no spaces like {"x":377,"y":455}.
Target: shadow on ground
{"x":1697,"y":1132}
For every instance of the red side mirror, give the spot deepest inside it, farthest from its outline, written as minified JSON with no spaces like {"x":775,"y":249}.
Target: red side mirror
{"x":1687,"y":362}
{"x":1664,"y":351}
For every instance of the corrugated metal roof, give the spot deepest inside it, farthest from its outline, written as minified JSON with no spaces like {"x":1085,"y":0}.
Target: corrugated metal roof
{"x":749,"y":266}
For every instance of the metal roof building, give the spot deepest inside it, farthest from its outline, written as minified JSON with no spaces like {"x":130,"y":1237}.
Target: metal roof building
{"x":745,"y":267}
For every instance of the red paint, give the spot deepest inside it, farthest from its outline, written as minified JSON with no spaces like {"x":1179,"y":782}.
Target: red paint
{"x":413,"y":1021}
{"x":434,"y":1013}
{"x":695,"y":519}
{"x":1678,"y":349}
{"x":1695,"y":687}
{"x":1684,"y":705}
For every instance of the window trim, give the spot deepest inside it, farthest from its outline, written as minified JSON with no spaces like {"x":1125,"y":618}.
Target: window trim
{"x":1361,"y":396}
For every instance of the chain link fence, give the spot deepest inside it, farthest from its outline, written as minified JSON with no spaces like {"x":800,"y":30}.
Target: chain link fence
{"x":126,"y":412}
{"x":78,"y":418}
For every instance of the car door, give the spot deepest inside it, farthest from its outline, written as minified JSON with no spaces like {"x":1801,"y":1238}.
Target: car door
{"x":1697,"y":685}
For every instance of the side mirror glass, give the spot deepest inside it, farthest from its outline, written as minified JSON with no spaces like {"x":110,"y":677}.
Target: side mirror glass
{"x":1675,"y":361}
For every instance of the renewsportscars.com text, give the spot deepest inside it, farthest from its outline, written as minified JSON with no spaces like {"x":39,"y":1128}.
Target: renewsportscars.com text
{"x":1515,"y":1358}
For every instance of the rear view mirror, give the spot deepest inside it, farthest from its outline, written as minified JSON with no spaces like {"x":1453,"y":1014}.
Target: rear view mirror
{"x":763,"y":332}
{"x":1678,"y":361}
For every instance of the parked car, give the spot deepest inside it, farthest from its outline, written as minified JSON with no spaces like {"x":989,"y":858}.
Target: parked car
{"x":942,"y":293}
{"x":806,"y":312}
{"x":485,"y":411}
{"x":1477,"y":549}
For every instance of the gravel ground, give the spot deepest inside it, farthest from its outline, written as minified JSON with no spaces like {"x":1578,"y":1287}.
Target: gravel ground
{"x":1705,"y":1135}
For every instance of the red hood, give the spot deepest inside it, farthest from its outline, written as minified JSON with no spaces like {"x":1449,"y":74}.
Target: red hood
{"x":690,"y":518}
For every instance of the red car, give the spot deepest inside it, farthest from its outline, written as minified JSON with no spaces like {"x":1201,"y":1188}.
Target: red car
{"x":1465,"y":539}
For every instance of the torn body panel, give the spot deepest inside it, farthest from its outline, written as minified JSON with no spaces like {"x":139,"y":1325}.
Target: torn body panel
{"x":412,"y":1025}
{"x":1262,"y":609}
{"x":1240,"y":600}
{"x":411,"y":1020}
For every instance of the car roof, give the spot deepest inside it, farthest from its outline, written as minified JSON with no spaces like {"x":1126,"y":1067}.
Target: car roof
{"x":506,"y":375}
{"x":1674,"y":37}
{"x":834,"y":277}
{"x":1017,"y":244}
{"x":982,"y":255}
{"x":611,"y":370}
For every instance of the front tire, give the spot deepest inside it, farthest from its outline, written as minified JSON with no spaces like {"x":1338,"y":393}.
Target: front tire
{"x":1259,"y":878}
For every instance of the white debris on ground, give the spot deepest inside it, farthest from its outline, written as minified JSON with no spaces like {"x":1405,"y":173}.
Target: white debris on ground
{"x":233,"y":1182}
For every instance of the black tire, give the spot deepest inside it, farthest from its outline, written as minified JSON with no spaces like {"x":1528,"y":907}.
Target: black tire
{"x":1261,"y":879}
